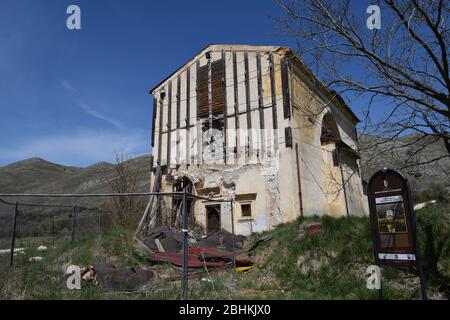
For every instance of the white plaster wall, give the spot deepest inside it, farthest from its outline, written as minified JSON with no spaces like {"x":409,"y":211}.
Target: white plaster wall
{"x":252,"y":181}
{"x":280,"y":201}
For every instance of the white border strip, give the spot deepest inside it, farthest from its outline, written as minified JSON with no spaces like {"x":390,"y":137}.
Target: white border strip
{"x":390,"y":199}
{"x":397,"y":256}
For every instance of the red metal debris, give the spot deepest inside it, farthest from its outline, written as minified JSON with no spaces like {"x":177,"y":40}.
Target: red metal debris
{"x":202,"y":256}
{"x":194,"y":257}
{"x":313,"y":229}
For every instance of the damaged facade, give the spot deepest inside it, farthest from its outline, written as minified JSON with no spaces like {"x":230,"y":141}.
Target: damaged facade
{"x":252,"y":123}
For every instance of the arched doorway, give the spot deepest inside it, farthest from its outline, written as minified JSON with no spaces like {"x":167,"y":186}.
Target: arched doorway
{"x":181,"y":184}
{"x":332,"y":183}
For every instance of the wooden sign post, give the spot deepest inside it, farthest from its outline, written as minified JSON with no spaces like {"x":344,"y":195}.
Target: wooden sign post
{"x":393,"y":223}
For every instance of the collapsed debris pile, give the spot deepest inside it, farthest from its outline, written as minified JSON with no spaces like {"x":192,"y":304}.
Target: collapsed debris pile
{"x":214,"y":250}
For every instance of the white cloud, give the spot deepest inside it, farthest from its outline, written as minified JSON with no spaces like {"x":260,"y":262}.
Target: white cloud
{"x":86,"y":108}
{"x":66,"y":84}
{"x":82,"y":148}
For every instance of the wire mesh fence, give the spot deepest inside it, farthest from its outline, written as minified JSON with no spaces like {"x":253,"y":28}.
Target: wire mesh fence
{"x":33,"y":225}
{"x":6,"y":222}
{"x":162,"y":222}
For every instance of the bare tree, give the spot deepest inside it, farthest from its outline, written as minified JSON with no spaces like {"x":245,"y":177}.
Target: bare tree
{"x":403,"y":67}
{"x":125,"y":180}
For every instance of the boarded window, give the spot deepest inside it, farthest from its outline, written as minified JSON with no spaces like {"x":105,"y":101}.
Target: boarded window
{"x":246,"y":210}
{"x":217,"y":89}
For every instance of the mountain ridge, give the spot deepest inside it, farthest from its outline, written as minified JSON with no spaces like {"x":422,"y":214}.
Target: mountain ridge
{"x":37,"y":175}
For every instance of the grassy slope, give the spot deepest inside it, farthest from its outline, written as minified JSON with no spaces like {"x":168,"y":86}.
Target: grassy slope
{"x":333,"y":266}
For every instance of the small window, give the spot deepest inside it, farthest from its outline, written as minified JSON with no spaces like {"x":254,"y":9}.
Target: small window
{"x":246,"y":210}
{"x":335,"y":156}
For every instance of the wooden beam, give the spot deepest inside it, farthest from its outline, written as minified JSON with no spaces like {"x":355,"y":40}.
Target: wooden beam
{"x":274,"y":100}
{"x":161,"y":102}
{"x":178,"y":97}
{"x":155,"y":106}
{"x":236,"y":101}
{"x":248,"y":107}
{"x":188,"y":97}
{"x":188,"y":116}
{"x":225,"y":111}
{"x":260,"y":101}
{"x":199,"y":130}
{"x":169,"y":122}
{"x":299,"y":181}
{"x":285,"y":88}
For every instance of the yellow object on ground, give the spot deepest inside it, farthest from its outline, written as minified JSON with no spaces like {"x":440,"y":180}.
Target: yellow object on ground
{"x":239,"y":269}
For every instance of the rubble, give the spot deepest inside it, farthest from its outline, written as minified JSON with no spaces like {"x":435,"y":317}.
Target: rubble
{"x":88,"y":274}
{"x":213,"y":250}
{"x":258,"y":242}
{"x":169,"y":240}
{"x":176,"y":259}
{"x":203,"y":257}
{"x":111,"y":278}
{"x":222,"y":239}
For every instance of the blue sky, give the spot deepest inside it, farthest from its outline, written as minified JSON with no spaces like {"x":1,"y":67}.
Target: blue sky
{"x":76,"y":97}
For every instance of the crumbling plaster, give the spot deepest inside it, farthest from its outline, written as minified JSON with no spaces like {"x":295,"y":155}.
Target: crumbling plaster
{"x":276,"y":185}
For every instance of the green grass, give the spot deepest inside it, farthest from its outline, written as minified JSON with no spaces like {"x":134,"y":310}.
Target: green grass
{"x":334,"y":260}
{"x":328,"y":265}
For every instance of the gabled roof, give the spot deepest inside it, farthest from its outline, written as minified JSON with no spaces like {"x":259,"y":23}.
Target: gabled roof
{"x":212,"y":47}
{"x":280,"y":49}
{"x":170,"y":75}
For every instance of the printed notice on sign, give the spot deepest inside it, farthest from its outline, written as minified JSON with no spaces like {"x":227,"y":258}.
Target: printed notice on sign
{"x":390,"y":199}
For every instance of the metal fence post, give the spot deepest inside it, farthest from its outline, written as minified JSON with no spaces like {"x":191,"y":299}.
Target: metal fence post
{"x":53,"y":231}
{"x":184,"y":280}
{"x":74,"y":221}
{"x":232,"y":230}
{"x":13,"y":239}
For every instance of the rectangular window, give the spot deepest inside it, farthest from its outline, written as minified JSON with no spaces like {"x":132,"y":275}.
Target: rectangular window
{"x":288,"y":137}
{"x":246,"y":210}
{"x":335,"y":156}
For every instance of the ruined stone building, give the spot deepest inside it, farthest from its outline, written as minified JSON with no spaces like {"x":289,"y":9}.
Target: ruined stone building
{"x":252,"y":123}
